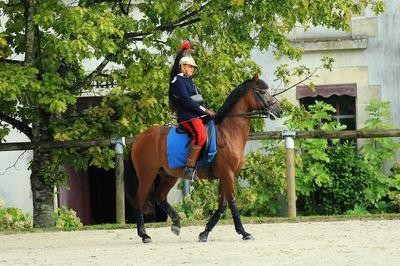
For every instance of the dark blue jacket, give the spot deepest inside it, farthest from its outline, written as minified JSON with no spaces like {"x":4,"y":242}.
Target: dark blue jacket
{"x":182,"y":89}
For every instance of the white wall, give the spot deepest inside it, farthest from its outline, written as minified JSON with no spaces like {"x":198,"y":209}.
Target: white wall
{"x":383,"y":57}
{"x":15,"y":186}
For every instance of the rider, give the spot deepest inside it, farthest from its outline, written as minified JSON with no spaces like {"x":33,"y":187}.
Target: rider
{"x":186,"y":101}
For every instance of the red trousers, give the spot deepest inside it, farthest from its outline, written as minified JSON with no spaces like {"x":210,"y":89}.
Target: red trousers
{"x":197,"y":129}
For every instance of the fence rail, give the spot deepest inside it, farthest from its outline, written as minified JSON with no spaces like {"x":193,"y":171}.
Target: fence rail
{"x":289,"y":137}
{"x":317,"y":134}
{"x":320,"y":134}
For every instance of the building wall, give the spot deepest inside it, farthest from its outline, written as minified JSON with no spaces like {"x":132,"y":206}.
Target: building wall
{"x":15,"y":185}
{"x":368,"y":55}
{"x":383,"y":58}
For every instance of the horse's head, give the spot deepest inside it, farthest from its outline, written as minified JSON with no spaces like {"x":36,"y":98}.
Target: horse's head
{"x":262,"y":99}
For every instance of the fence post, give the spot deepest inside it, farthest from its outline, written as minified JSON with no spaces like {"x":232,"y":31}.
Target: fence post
{"x":119,"y":179}
{"x":290,"y":171}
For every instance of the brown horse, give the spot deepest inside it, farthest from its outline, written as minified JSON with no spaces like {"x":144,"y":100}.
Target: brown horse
{"x":149,"y":156}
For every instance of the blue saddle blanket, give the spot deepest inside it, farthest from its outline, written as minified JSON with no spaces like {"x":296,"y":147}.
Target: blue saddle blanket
{"x":178,"y":148}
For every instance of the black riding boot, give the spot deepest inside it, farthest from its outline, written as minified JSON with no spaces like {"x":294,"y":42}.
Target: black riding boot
{"x":190,"y":169}
{"x":190,"y":173}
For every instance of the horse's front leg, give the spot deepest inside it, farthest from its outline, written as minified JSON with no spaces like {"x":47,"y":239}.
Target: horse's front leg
{"x":215,"y":218}
{"x":236,"y":220}
{"x":229,"y":191}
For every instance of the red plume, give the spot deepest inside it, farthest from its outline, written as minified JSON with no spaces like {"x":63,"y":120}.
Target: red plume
{"x":185,"y":45}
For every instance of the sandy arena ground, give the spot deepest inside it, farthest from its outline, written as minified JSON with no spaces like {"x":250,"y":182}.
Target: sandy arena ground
{"x":307,"y":243}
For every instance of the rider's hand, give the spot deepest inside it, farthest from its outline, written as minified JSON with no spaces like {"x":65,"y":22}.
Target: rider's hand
{"x":210,"y":113}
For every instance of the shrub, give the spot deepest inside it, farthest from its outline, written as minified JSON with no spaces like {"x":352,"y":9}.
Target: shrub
{"x":13,"y":218}
{"x":202,"y":201}
{"x":350,"y":176}
{"x":66,"y":218}
{"x":332,"y":177}
{"x":262,"y":183}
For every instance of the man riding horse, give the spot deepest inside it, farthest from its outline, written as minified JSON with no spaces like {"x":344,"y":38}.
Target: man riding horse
{"x":187,"y":102}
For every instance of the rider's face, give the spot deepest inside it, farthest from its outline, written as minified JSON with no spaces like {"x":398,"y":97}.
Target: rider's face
{"x":188,"y":69}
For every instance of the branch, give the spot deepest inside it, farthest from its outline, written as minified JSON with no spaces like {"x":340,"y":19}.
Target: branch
{"x":17,"y":4}
{"x":161,"y":28}
{"x":10,"y":61}
{"x":30,"y":31}
{"x":133,"y":36}
{"x":298,"y":83}
{"x":129,"y":6}
{"x":17,"y":124}
{"x":89,"y":78}
{"x":172,"y":26}
{"x":123,"y":10}
{"x":194,"y":12}
{"x":19,"y":157}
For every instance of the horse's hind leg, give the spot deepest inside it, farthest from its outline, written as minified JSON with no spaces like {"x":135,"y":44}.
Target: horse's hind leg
{"x":146,"y":180}
{"x":167,"y":182}
{"x":203,"y":236}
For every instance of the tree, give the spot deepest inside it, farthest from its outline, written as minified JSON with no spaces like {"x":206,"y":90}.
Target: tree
{"x":55,"y":38}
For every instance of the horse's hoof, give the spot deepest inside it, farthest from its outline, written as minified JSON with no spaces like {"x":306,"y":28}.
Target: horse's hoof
{"x":203,"y":237}
{"x":176,"y":230}
{"x":146,"y":239}
{"x":248,"y":237}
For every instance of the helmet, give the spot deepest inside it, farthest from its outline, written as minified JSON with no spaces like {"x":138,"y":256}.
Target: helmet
{"x":187,"y":60}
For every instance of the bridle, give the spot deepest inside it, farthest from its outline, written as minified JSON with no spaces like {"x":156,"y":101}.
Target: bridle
{"x":265,"y":111}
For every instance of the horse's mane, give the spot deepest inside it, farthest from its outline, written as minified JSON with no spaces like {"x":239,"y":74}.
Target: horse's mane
{"x":234,"y":96}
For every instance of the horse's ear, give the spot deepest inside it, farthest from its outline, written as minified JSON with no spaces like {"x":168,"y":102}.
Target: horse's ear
{"x":255,"y":78}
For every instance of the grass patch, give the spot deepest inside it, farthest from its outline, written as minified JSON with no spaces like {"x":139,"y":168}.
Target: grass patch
{"x":225,"y":221}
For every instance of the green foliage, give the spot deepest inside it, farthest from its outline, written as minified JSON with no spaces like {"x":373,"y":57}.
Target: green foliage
{"x":66,"y":218}
{"x":312,"y":172}
{"x":40,"y":94}
{"x":286,"y":74}
{"x":379,"y":149}
{"x":331,"y":177}
{"x":202,"y":201}
{"x":394,"y":188}
{"x":358,"y":211}
{"x":350,"y":176}
{"x":384,"y":196}
{"x":262,"y":182}
{"x":13,"y":218}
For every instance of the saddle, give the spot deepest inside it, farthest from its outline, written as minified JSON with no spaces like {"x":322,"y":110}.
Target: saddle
{"x":178,"y":140}
{"x":204,"y":150}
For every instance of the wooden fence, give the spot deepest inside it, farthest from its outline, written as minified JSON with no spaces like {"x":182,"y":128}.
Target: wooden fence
{"x":288,"y":135}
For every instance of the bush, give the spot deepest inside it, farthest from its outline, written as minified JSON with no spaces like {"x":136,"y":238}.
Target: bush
{"x":66,"y":218}
{"x":202,"y":201}
{"x":262,"y":183}
{"x":332,"y":177}
{"x":350,"y":177}
{"x":13,"y":218}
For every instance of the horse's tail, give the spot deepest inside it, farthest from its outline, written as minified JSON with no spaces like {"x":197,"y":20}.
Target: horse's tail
{"x":131,"y":184}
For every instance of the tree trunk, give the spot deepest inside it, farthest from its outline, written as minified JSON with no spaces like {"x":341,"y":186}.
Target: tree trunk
{"x":42,"y":193}
{"x":30,"y":58}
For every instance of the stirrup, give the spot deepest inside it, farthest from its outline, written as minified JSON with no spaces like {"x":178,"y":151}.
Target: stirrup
{"x":190,"y":173}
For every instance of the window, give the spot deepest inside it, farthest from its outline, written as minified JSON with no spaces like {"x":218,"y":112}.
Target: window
{"x":341,"y":96}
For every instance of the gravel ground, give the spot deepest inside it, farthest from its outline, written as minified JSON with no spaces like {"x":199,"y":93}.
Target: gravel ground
{"x":374,"y":242}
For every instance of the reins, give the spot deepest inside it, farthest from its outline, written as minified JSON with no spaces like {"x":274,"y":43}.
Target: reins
{"x":251,"y":115}
{"x":264,"y":113}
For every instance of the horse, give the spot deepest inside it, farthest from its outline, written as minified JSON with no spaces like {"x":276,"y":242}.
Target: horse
{"x":149,"y":157}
